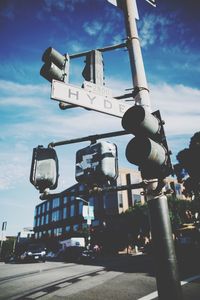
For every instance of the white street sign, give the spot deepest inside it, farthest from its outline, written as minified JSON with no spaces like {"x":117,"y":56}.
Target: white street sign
{"x":100,"y":90}
{"x":152,"y":2}
{"x":88,"y":212}
{"x":68,"y":93}
{"x":119,"y":4}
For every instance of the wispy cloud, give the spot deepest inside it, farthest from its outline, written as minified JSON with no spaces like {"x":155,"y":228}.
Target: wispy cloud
{"x":46,"y":123}
{"x":92,"y":28}
{"x":153,"y":28}
{"x":61,"y":5}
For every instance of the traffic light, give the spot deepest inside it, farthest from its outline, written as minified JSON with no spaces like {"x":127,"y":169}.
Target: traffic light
{"x":94,"y":67}
{"x":44,"y":169}
{"x":56,"y":65}
{"x":148,"y":149}
{"x":97,"y":163}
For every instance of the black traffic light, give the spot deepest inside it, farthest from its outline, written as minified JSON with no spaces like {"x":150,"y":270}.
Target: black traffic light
{"x":148,"y":149}
{"x":56,"y":65}
{"x":44,"y":169}
{"x":94,"y":67}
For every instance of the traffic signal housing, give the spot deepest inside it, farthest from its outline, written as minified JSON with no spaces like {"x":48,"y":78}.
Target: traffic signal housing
{"x":56,"y":65}
{"x":97,"y":163}
{"x":44,"y":169}
{"x":94,"y":67}
{"x":148,"y":149}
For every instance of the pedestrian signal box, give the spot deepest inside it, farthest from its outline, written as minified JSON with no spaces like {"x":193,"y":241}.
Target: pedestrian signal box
{"x":44,"y":169}
{"x":97,"y":163}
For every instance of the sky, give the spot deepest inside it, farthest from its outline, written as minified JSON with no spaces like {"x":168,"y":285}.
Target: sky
{"x":169,"y":36}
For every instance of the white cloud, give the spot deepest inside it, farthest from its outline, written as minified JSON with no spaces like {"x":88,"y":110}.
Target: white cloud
{"x":179,"y":106}
{"x":61,"y":5}
{"x":92,"y":28}
{"x":16,"y":89}
{"x":152,"y":28}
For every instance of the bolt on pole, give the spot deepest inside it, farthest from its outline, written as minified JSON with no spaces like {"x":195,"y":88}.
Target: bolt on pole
{"x":167,"y":276}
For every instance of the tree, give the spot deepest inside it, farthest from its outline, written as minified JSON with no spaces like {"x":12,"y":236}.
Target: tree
{"x":189,"y":160}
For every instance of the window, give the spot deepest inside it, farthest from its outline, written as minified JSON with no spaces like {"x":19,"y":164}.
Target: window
{"x":67,"y":228}
{"x":42,"y":220}
{"x":80,"y":208}
{"x":39,"y":210}
{"x":65,"y":199}
{"x":57,"y":231}
{"x":81,"y":187}
{"x":55,"y":216}
{"x":43,"y":207}
{"x":65,"y":213}
{"x":47,"y":219}
{"x":55,"y":203}
{"x":72,"y":198}
{"x":75,"y":227}
{"x":137,"y":198}
{"x":35,"y":222}
{"x":47,"y":206}
{"x":120,"y":199}
{"x":38,"y":221}
{"x":72,"y":210}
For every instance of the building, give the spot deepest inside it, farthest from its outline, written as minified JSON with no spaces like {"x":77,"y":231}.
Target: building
{"x":61,"y":216}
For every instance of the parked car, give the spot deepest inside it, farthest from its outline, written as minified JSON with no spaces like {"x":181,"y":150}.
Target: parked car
{"x":33,"y":252}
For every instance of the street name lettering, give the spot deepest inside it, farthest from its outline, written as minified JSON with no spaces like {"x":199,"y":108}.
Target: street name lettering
{"x":100,"y":90}
{"x":79,"y":96}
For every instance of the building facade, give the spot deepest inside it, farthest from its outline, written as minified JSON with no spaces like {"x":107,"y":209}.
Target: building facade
{"x":61,"y":216}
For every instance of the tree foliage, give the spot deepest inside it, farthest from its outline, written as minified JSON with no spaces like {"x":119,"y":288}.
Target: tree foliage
{"x":189,"y":159}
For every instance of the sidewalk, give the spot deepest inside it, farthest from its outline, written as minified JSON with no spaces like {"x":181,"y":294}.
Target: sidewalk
{"x":190,"y":290}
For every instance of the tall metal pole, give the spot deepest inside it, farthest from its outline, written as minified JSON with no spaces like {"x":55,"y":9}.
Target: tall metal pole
{"x":136,"y":62}
{"x":167,"y":277}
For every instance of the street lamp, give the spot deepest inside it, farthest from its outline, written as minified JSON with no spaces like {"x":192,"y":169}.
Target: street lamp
{"x":88,"y":217}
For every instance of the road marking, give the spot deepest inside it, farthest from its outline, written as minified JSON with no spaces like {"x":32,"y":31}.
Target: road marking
{"x":62,"y":285}
{"x":155,"y":294}
{"x":36,"y":295}
{"x":85,"y":277}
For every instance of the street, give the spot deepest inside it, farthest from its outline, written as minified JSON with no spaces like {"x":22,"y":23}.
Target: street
{"x":115,"y":277}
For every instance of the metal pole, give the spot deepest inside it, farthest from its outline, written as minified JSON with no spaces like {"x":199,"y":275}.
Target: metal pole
{"x":88,"y":219}
{"x":135,"y":55}
{"x":167,"y":277}
{"x":168,"y":282}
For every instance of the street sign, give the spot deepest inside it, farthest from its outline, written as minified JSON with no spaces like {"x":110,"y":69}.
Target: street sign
{"x":119,"y":3}
{"x":88,"y":212}
{"x":100,"y":90}
{"x":152,"y":2}
{"x":71,"y":94}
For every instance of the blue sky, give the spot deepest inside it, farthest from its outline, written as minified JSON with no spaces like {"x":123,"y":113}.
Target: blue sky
{"x":170,"y":45}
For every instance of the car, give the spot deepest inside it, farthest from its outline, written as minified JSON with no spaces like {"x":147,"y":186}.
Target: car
{"x":33,"y":252}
